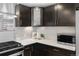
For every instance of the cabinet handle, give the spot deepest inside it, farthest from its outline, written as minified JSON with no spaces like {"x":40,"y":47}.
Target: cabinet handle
{"x":56,"y":50}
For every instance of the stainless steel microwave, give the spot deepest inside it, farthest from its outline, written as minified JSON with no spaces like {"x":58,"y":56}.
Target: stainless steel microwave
{"x":66,"y":39}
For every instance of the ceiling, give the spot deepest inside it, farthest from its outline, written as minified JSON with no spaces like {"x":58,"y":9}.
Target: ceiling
{"x":37,"y":4}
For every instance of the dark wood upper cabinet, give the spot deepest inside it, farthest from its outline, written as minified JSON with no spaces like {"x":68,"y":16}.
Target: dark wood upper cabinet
{"x":66,"y":14}
{"x":24,"y":15}
{"x":49,"y":16}
{"x":62,"y":14}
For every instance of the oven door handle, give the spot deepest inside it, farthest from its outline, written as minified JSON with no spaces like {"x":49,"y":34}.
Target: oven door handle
{"x":18,"y":53}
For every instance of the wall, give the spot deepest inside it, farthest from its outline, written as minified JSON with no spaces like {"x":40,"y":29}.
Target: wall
{"x":10,"y":34}
{"x":7,"y":36}
{"x":77,"y":33}
{"x":52,"y":32}
{"x":23,"y":33}
{"x":49,"y":32}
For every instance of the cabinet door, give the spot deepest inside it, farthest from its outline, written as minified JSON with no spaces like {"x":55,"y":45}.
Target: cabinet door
{"x":28,"y":51}
{"x":49,"y":16}
{"x":35,"y":50}
{"x":24,"y":15}
{"x":39,"y":50}
{"x":66,"y":14}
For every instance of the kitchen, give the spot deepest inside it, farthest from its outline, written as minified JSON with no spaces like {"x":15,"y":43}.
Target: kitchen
{"x":47,"y":29}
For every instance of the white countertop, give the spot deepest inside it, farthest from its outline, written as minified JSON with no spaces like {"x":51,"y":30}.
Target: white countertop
{"x":47,"y":42}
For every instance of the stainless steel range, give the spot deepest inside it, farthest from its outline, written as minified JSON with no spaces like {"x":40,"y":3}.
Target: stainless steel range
{"x":11,"y":48}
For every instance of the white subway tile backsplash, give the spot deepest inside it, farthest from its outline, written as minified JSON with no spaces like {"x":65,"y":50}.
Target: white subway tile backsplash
{"x":52,"y":32}
{"x":49,"y":32}
{"x":23,"y":32}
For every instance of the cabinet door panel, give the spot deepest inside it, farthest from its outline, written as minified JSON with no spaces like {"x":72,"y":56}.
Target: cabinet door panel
{"x":49,"y":16}
{"x":28,"y":50}
{"x":24,"y":15}
{"x":66,"y":16}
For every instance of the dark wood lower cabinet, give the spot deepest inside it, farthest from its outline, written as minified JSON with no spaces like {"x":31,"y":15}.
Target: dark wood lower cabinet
{"x":38,"y":49}
{"x":54,"y":51}
{"x":28,"y":50}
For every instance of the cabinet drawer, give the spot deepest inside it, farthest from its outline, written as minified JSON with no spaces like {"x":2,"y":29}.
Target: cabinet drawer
{"x":60,"y":51}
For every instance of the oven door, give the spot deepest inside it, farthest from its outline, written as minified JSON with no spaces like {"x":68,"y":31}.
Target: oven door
{"x":20,"y":53}
{"x":13,"y":52}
